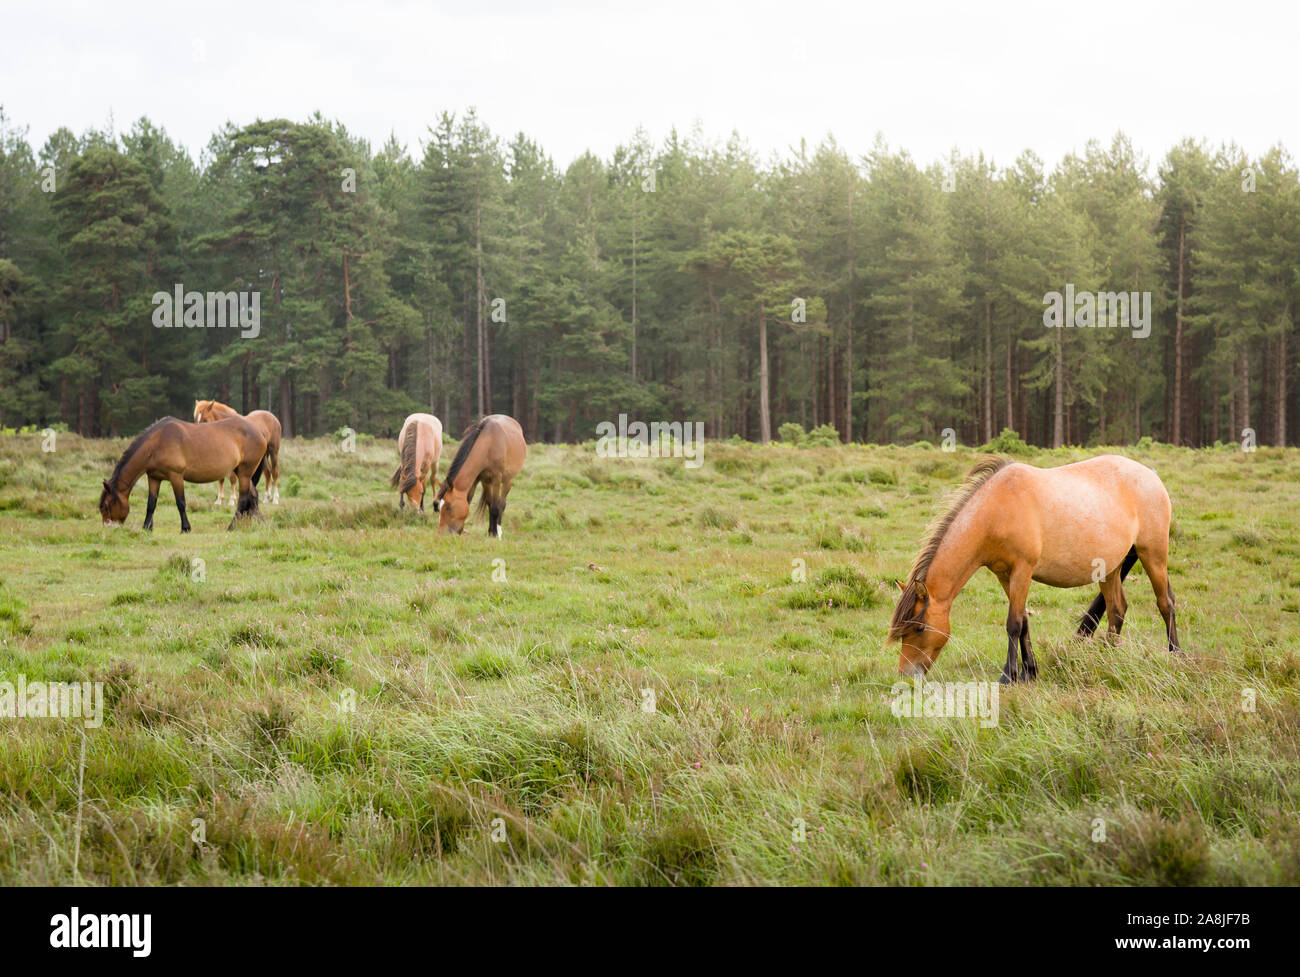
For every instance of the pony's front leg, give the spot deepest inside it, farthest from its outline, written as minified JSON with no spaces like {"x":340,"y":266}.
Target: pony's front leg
{"x":247,"y":499}
{"x":1016,"y":585}
{"x":154,"y":484}
{"x":1027,"y":663}
{"x":178,"y":490}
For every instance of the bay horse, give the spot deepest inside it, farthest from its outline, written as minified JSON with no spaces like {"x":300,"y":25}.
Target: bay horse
{"x":179,"y":452}
{"x":418,"y":445}
{"x":492,"y":453}
{"x":1066,"y":527}
{"x":215,"y":410}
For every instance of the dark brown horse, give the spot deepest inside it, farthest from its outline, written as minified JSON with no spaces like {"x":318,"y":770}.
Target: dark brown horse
{"x":215,"y":410}
{"x":179,"y":452}
{"x":492,"y":452}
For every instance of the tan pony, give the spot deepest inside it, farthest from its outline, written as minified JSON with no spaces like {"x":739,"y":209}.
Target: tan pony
{"x":491,"y":453}
{"x":418,"y":446}
{"x":179,"y":452}
{"x":215,"y":410}
{"x":1066,"y":527}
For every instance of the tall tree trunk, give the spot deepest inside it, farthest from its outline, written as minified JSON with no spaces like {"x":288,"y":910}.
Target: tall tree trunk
{"x":1243,"y":392}
{"x":848,"y":351}
{"x":988,"y":371}
{"x":286,"y":406}
{"x":1011,"y":416}
{"x":1280,"y":432}
{"x":1058,"y":411}
{"x":848,"y":384}
{"x":764,"y":420}
{"x":478,"y":306}
{"x":1177,"y":435}
{"x":830,"y":381}
{"x":633,"y":287}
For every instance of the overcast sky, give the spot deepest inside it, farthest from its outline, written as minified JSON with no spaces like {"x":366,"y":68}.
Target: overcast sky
{"x":583,"y":75}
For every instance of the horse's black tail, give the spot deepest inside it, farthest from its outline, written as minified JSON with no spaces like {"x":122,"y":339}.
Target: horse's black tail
{"x":1091,"y":617}
{"x":257,"y":473}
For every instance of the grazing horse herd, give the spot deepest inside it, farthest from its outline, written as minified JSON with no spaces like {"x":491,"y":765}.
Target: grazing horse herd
{"x":1087,"y":522}
{"x":223,"y":443}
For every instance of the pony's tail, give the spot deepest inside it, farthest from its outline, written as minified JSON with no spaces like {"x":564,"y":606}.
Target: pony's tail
{"x":257,"y":473}
{"x":405,"y":477}
{"x":1092,"y":616}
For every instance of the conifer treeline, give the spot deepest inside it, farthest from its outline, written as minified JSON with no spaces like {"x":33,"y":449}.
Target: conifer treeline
{"x":686,"y":281}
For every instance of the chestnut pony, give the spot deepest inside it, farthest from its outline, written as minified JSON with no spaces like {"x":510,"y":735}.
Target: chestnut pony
{"x":179,"y":452}
{"x":418,"y":445}
{"x":215,"y":410}
{"x":1066,"y":527}
{"x":492,"y":452}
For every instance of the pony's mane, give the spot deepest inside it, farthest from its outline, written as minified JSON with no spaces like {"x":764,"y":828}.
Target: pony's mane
{"x":462,"y":453}
{"x":906,"y":619}
{"x":405,"y":477}
{"x":134,"y":446}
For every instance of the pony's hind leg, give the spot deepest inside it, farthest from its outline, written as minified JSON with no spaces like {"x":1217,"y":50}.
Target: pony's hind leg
{"x":1092,"y":616}
{"x":1112,"y":589}
{"x":178,"y":490}
{"x":154,"y":484}
{"x":234,"y":481}
{"x":1156,"y":565}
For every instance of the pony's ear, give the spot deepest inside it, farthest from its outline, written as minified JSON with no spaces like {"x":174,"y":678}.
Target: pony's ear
{"x":899,"y":583}
{"x":921,"y":592}
{"x":107,"y":487}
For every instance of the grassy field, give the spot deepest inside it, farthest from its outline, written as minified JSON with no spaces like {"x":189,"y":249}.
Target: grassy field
{"x":337,"y":694}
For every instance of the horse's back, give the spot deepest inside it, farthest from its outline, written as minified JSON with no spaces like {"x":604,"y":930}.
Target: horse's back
{"x":270,"y":425}
{"x":1069,"y":516}
{"x":508,"y":445}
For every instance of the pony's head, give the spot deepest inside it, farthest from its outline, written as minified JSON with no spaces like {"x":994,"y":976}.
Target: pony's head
{"x":453,"y":509}
{"x":201,"y":408}
{"x":113,"y":505}
{"x":920,"y":625}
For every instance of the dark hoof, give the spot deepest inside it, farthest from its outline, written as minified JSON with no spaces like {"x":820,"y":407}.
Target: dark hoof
{"x":1006,"y":679}
{"x":185,"y":529}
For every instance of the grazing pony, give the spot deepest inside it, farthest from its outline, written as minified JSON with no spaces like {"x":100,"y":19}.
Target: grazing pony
{"x":492,"y":452}
{"x":214,"y":410}
{"x":418,"y":445}
{"x":180,"y":452}
{"x":1066,"y":527}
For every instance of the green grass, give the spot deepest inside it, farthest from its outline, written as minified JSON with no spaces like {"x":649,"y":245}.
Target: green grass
{"x":339,"y":695}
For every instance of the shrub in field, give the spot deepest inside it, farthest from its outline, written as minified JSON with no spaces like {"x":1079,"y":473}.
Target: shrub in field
{"x":823,"y":436}
{"x":792,"y":433}
{"x":1007,"y":443}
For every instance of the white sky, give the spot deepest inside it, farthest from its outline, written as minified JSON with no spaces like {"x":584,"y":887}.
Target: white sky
{"x":584,"y":74}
